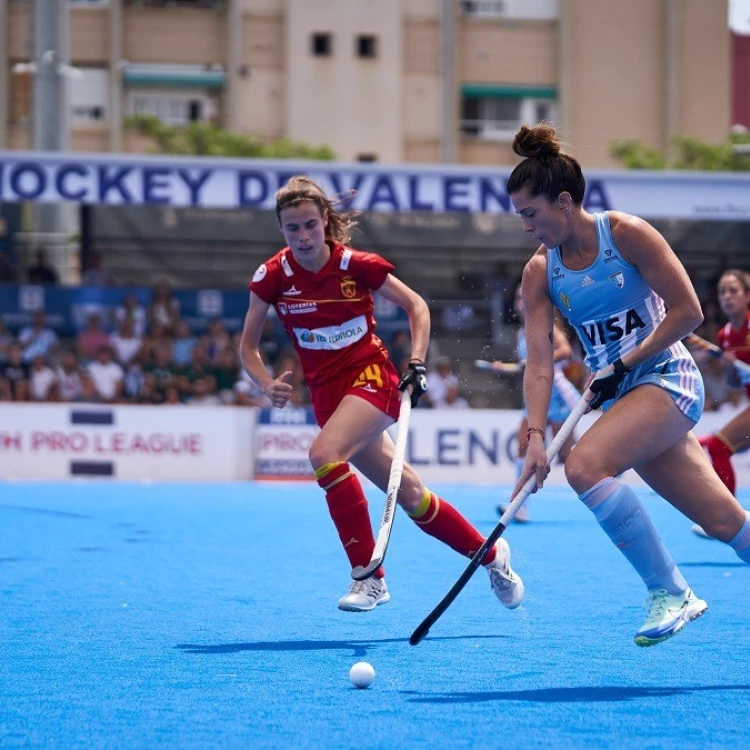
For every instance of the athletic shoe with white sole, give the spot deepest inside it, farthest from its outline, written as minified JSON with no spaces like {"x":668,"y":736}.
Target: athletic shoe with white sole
{"x":522,"y":515}
{"x":365,"y":595}
{"x":700,"y":531}
{"x":667,"y":615}
{"x":506,"y":585}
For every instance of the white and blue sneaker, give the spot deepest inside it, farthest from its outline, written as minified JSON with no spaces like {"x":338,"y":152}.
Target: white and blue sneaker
{"x":364,"y":596}
{"x":506,"y":585}
{"x":667,"y":615}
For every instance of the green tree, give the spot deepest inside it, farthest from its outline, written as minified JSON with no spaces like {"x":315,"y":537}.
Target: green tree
{"x":204,"y":139}
{"x":685,"y":153}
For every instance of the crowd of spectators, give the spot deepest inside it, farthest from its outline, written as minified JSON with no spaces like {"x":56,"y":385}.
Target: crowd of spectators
{"x":138,"y":355}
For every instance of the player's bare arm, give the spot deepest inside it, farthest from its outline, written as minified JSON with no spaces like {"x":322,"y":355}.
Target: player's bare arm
{"x":641,"y":245}
{"x":277,"y":389}
{"x":416,"y":308}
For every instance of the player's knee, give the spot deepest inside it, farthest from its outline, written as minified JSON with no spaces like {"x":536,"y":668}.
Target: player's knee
{"x":723,"y":523}
{"x":320,"y":453}
{"x":582,"y":471}
{"x":411,"y":493}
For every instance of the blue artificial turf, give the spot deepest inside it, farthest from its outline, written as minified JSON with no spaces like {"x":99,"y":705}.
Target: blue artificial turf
{"x":204,"y":615}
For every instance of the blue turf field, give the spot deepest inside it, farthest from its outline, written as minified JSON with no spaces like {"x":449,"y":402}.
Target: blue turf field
{"x":133,"y":615}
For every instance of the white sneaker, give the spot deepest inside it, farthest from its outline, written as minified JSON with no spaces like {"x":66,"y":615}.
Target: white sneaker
{"x":365,"y":595}
{"x":700,"y":531}
{"x":522,"y":514}
{"x":507,"y":586}
{"x":667,"y":615}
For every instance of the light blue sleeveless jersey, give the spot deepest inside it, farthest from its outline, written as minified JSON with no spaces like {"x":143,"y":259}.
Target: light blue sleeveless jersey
{"x":609,"y":303}
{"x":613,"y":309}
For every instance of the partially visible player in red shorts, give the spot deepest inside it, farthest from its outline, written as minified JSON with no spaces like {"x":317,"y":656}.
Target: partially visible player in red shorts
{"x":322,"y":292}
{"x":734,"y":339}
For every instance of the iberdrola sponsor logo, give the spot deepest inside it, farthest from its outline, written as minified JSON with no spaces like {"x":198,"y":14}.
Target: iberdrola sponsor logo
{"x":332,"y":337}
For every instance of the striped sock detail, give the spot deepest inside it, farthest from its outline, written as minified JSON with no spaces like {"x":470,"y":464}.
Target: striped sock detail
{"x":329,"y":475}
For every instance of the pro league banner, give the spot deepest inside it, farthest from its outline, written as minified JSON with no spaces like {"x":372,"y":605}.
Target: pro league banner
{"x":223,"y":443}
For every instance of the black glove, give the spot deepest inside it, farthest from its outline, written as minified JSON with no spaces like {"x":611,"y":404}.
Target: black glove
{"x":605,"y":388}
{"x":416,"y":377}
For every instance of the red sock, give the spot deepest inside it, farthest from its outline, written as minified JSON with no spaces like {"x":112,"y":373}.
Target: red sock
{"x":721,"y":458}
{"x":438,"y":518}
{"x":348,"y":508}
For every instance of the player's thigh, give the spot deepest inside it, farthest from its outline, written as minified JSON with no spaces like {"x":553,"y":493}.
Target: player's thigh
{"x":737,"y":431}
{"x":375,"y":461}
{"x":684,"y":477}
{"x":355,"y":424}
{"x":635,"y":429}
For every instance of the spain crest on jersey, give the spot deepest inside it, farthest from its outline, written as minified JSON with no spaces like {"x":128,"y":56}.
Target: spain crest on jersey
{"x":348,"y":287}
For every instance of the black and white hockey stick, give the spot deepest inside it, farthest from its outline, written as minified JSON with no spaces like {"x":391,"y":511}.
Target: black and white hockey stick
{"x":554,"y":448}
{"x":360,"y":573}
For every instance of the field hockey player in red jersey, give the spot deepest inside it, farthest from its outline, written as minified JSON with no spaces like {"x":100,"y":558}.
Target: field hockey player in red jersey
{"x":734,"y":340}
{"x":322,"y":291}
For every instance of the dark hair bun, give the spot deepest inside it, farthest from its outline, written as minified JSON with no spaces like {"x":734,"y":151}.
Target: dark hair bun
{"x":536,"y":142}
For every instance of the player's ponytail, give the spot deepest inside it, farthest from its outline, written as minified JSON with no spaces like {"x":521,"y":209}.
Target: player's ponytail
{"x":301,"y":189}
{"x":546,"y":169}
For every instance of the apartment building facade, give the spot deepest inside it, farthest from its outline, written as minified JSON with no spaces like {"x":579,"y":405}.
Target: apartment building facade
{"x":425,"y":81}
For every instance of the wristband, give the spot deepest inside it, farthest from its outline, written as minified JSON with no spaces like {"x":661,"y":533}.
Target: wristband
{"x":538,"y":430}
{"x":619,"y":367}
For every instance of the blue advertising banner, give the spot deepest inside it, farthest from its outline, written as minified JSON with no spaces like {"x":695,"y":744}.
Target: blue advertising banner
{"x":232,"y":183}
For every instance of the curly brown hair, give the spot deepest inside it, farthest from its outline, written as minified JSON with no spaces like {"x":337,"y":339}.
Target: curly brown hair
{"x":301,"y":189}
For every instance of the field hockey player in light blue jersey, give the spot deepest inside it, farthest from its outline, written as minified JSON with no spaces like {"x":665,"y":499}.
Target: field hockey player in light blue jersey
{"x":622,"y":288}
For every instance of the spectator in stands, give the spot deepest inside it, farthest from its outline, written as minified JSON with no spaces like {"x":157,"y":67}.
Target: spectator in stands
{"x":6,"y":339}
{"x":42,"y":272}
{"x":132,"y":309}
{"x":125,"y":343}
{"x":134,"y":379}
{"x":37,"y":338}
{"x":202,"y":394}
{"x":226,"y":372}
{"x":89,"y":394}
{"x":158,"y":344}
{"x":92,"y":338}
{"x":93,"y":273}
{"x":199,"y":367}
{"x":69,"y":377}
{"x":21,"y":390}
{"x":445,"y":391}
{"x":107,"y":375}
{"x":172,"y":396}
{"x":164,"y":309}
{"x":5,"y":392}
{"x":160,"y":372}
{"x":41,"y":378}
{"x":216,"y":340}
{"x":183,"y":344}
{"x":15,"y":368}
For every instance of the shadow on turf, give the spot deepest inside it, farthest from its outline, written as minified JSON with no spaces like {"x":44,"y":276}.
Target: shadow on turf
{"x":602,"y":694}
{"x":358,"y":647}
{"x":712,"y":565}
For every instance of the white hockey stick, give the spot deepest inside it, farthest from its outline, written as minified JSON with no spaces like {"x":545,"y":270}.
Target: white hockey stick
{"x":501,"y":368}
{"x":360,"y":573}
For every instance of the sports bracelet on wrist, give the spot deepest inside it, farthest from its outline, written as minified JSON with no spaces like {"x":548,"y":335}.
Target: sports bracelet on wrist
{"x":538,"y":430}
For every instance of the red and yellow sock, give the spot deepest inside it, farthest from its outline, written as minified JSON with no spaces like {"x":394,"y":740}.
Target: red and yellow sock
{"x":348,"y":508}
{"x":721,"y":452}
{"x":440,"y":519}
